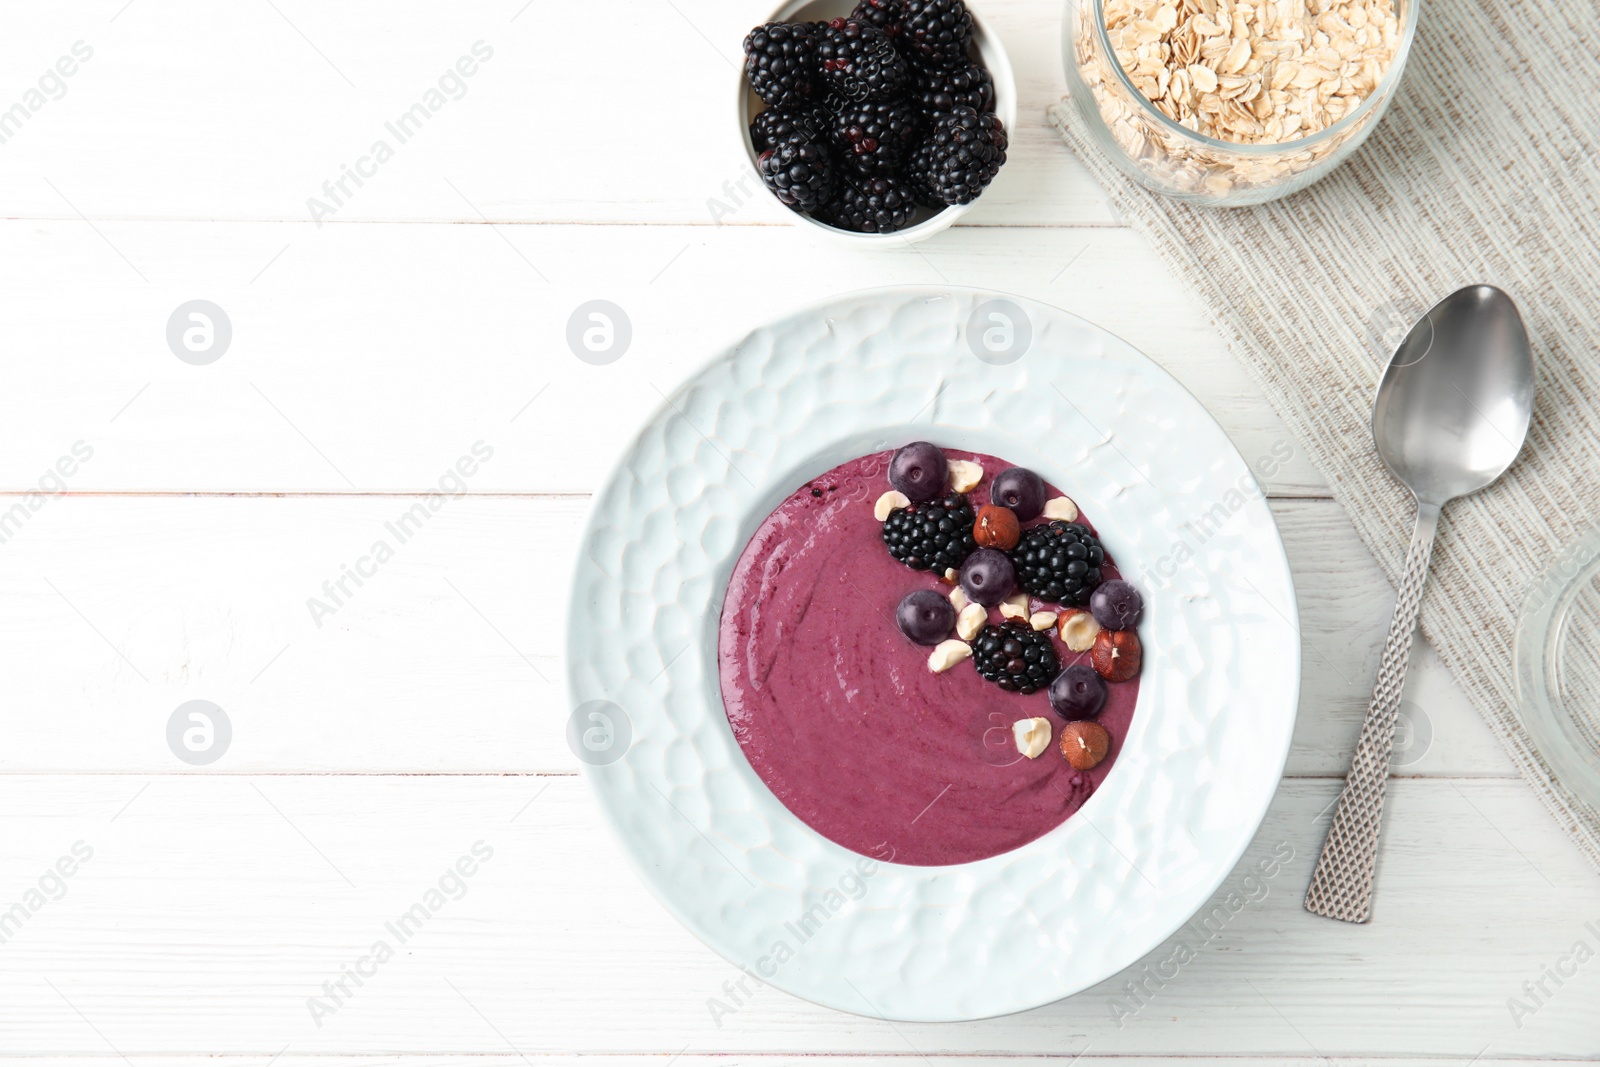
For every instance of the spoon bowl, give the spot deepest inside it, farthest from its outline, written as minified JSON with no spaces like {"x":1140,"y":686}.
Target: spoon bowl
{"x":1455,"y":402}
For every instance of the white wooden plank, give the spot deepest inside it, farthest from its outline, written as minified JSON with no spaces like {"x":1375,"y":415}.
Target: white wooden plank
{"x":120,"y":608}
{"x":371,"y":357}
{"x":214,"y":906}
{"x":603,"y":111}
{"x":689,"y":1059}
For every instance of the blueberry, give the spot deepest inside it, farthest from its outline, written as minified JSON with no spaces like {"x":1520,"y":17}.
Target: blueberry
{"x":925,"y":617}
{"x":1116,"y":605}
{"x":1078,"y":693}
{"x":1019,"y":489}
{"x":919,"y":471}
{"x":987,"y":577}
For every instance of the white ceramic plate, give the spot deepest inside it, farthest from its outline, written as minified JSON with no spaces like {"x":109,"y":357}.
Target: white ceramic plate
{"x":1178,"y":509}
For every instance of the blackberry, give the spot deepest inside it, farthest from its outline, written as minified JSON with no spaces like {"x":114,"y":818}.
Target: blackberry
{"x":937,"y":32}
{"x":859,"y":61}
{"x":935,"y":536}
{"x":872,"y":205}
{"x":1015,"y":656}
{"x":875,"y":137}
{"x":800,"y":174}
{"x":939,"y":92}
{"x":780,"y":63}
{"x":774,"y":127}
{"x":916,"y":176}
{"x":1059,"y":561}
{"x":884,"y":14}
{"x":961,"y":155}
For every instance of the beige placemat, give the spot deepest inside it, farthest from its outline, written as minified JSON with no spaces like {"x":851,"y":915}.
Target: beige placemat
{"x":1486,"y":169}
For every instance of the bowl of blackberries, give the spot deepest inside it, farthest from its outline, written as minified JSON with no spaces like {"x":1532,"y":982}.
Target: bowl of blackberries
{"x":883,"y":121}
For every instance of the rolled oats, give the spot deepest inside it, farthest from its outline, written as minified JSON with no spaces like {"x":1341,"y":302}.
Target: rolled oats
{"x":1245,"y":72}
{"x":1192,"y":58}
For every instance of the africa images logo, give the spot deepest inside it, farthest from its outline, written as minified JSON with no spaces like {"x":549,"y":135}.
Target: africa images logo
{"x":52,"y":85}
{"x":451,"y":885}
{"x":336,"y":192}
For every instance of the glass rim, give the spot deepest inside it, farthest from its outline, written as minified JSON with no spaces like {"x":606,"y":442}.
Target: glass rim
{"x":1275,"y":148}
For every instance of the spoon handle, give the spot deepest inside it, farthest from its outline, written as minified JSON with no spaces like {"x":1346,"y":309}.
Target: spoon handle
{"x":1341,"y":886}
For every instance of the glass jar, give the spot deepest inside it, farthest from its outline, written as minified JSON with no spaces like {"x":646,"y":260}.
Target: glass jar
{"x":1557,"y":659}
{"x":1169,"y":158}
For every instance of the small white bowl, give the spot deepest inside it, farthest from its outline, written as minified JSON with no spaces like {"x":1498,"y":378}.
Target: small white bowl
{"x":994,"y":57}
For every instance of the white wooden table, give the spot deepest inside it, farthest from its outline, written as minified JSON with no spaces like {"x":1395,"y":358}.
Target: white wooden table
{"x":590,"y":156}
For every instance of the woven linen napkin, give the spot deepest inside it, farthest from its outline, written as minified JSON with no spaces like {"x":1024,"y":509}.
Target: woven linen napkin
{"x":1485,"y":169}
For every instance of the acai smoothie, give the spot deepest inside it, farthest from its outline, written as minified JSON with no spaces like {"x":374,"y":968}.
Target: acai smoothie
{"x":928,"y":657}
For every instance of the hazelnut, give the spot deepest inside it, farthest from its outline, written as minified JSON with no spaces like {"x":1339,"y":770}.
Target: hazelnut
{"x":1014,"y":606}
{"x":1078,"y":629}
{"x":1031,"y":735}
{"x":997,"y":527}
{"x":951,"y":576}
{"x":1042,"y":620}
{"x":958,"y":599}
{"x":947,"y":654}
{"x":1085,"y":744}
{"x":1116,"y":655}
{"x":1062,"y":508}
{"x":973,"y":617}
{"x":964,"y":475}
{"x":889,"y":502}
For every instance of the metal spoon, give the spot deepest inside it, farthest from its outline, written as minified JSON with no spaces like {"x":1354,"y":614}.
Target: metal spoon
{"x":1451,"y":414}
